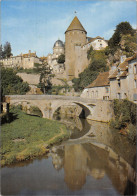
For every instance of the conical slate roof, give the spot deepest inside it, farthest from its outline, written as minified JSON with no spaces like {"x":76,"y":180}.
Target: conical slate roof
{"x":75,"y":25}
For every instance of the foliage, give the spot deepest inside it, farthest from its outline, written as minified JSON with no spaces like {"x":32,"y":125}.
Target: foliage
{"x":11,"y":83}
{"x":125,"y":113}
{"x":5,"y":51}
{"x":22,"y":141}
{"x":132,"y":133}
{"x":89,"y":52}
{"x":124,"y":28}
{"x":97,"y":64}
{"x":45,"y":78}
{"x":61,"y":58}
{"x":129,"y":43}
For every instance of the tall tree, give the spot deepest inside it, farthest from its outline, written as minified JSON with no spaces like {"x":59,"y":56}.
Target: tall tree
{"x":7,"y":50}
{"x":45,"y":77}
{"x":1,"y":51}
{"x":124,"y":28}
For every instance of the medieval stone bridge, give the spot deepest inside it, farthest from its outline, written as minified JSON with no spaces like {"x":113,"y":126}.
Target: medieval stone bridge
{"x":100,"y":110}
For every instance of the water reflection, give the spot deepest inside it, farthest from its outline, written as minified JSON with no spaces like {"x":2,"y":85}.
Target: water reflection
{"x":84,"y":160}
{"x":94,"y":161}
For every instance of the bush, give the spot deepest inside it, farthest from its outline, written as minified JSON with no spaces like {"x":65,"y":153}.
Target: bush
{"x":132,"y":133}
{"x":125,"y":113}
{"x":11,"y":83}
{"x":61,"y":58}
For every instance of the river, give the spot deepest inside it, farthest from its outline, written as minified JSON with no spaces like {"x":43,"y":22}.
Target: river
{"x":96,"y":160}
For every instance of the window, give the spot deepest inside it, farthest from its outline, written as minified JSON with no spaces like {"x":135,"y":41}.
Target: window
{"x":135,"y":69}
{"x":119,"y":83}
{"x":119,"y":96}
{"x":135,"y":83}
{"x":107,"y":90}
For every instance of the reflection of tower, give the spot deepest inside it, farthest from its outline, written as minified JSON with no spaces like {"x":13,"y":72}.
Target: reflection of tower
{"x":75,"y":166}
{"x":75,"y":36}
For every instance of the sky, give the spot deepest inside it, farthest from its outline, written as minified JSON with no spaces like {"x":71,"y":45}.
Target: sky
{"x":36,"y":24}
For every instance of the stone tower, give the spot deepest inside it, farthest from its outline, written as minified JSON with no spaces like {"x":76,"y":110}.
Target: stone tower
{"x":75,"y":38}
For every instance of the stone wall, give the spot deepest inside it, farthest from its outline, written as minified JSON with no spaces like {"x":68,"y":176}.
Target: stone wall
{"x":30,"y":78}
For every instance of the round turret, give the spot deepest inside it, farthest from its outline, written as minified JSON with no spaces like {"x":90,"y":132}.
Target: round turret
{"x":58,"y":48}
{"x":58,"y":43}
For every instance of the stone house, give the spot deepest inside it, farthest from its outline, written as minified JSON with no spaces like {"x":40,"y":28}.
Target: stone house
{"x":98,"y":43}
{"x":99,"y":88}
{"x":25,"y":61}
{"x":123,"y":80}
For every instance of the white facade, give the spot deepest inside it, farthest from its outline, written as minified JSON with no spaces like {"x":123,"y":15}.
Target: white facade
{"x":97,"y":43}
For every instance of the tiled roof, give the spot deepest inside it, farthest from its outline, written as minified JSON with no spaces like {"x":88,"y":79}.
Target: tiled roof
{"x":123,"y":66}
{"x":43,"y":58}
{"x":124,"y":74}
{"x":29,"y":55}
{"x":75,"y":25}
{"x":101,"y":80}
{"x":98,"y":37}
{"x":113,"y":75}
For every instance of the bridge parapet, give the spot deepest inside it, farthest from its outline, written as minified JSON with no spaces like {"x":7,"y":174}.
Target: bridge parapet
{"x":52,"y":97}
{"x":99,"y":110}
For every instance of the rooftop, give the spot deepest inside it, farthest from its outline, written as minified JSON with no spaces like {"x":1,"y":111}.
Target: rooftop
{"x":75,"y":25}
{"x":101,"y":80}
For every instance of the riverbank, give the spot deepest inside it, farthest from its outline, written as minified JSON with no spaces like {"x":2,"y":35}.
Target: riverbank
{"x":27,"y":137}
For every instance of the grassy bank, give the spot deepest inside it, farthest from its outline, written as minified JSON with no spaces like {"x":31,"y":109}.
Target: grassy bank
{"x":27,"y":137}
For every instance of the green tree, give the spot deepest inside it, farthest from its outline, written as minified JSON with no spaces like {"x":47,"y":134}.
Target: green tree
{"x":7,"y":50}
{"x":11,"y":83}
{"x":124,"y":28}
{"x":61,"y":58}
{"x":1,"y":52}
{"x":45,"y":78}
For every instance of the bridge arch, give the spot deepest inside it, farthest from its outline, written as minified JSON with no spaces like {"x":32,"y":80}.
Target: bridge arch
{"x":87,"y":110}
{"x":27,"y":104}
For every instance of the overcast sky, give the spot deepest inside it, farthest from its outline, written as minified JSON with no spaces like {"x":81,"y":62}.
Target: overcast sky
{"x":36,"y":24}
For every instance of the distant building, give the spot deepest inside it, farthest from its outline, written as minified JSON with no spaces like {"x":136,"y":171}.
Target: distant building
{"x":99,"y":88}
{"x":52,"y":59}
{"x":25,"y":61}
{"x":98,"y":43}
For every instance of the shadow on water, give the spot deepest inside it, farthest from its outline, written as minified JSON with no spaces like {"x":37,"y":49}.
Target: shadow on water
{"x":77,"y":126}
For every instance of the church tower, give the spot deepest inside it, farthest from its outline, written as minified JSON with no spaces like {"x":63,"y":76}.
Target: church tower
{"x":75,"y":37}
